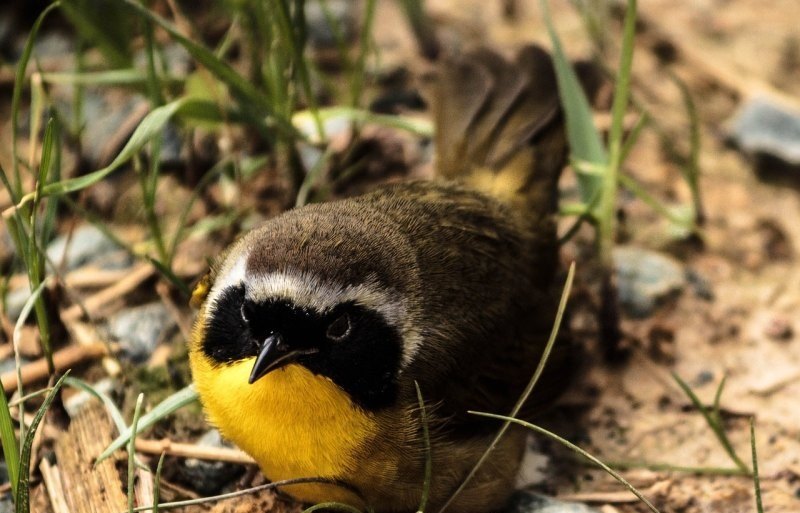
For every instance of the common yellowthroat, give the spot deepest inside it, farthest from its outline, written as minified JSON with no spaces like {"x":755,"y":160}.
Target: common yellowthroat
{"x":313,"y":329}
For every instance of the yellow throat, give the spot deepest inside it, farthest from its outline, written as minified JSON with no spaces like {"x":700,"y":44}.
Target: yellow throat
{"x":292,"y":422}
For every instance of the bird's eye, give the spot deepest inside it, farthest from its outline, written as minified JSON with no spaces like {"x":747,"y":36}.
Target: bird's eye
{"x":339,"y":328}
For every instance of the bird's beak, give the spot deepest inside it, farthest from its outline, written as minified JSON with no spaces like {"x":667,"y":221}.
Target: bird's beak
{"x":274,"y":354}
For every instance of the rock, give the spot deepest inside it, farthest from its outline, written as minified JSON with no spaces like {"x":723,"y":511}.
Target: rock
{"x":321,"y":33}
{"x":9,"y":364}
{"x":209,"y":477}
{"x":15,"y":301}
{"x":703,"y":377}
{"x":534,"y":466}
{"x":764,"y":127}
{"x":140,"y":329}
{"x":113,"y":118}
{"x":171,"y":146}
{"x":646,"y":279}
{"x":174,"y":57}
{"x":86,"y":244}
{"x":76,"y":402}
{"x":6,"y":504}
{"x":524,"y":501}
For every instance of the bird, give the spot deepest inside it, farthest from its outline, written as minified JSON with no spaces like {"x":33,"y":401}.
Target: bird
{"x":315,"y":329}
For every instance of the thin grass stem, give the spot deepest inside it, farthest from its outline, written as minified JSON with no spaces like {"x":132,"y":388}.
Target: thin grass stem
{"x":562,"y":305}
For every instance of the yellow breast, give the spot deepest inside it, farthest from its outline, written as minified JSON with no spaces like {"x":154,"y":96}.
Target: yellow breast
{"x":293,"y":423}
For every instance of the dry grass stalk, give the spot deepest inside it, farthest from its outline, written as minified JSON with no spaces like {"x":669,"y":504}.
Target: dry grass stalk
{"x":53,"y":483}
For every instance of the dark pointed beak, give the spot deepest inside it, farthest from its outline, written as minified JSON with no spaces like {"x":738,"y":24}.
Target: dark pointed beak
{"x":274,"y":354}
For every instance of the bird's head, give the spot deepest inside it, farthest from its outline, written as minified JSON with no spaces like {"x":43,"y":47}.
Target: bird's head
{"x":333,"y":311}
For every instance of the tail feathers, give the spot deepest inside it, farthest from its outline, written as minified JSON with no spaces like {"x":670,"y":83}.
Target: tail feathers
{"x":499,"y":126}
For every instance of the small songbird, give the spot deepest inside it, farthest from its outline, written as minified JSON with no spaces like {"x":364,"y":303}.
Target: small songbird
{"x":314,"y":328}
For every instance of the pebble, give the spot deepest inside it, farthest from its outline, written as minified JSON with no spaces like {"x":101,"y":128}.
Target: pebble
{"x":108,"y":112}
{"x":209,"y":477}
{"x":764,"y":127}
{"x":87,"y":244}
{"x":15,"y":302}
{"x":320,"y":32}
{"x":645,"y":279}
{"x":171,"y":146}
{"x":76,"y":402}
{"x":524,"y":501}
{"x":140,"y":329}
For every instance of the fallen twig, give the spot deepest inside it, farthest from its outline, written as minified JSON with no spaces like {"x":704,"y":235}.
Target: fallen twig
{"x":63,"y":359}
{"x":97,"y":303}
{"x":184,"y":450}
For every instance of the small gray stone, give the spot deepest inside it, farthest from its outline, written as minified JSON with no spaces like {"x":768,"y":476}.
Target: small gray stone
{"x":209,"y":477}
{"x":767,"y":128}
{"x":140,"y":329}
{"x":645,"y":279}
{"x":176,"y":59}
{"x":6,"y":504}
{"x":9,"y":364}
{"x":524,"y":501}
{"x":76,"y":402}
{"x":86,"y":244}
{"x":171,"y":145}
{"x":15,"y":302}
{"x":55,"y":45}
{"x":108,"y":111}
{"x":321,"y":33}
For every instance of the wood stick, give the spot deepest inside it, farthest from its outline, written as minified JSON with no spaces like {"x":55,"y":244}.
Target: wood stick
{"x":86,"y":487}
{"x":54,"y":485}
{"x":184,"y":450}
{"x":98,"y":302}
{"x":63,"y":359}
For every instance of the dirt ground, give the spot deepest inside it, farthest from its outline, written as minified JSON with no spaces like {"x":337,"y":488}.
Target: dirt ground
{"x":634,"y":412}
{"x":737,"y":320}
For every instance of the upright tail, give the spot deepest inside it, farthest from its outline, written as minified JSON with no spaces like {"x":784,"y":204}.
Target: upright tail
{"x":499,"y":127}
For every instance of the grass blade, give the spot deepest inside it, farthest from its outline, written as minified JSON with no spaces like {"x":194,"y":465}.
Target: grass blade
{"x":132,"y":453}
{"x":428,"y":456}
{"x":174,"y":402}
{"x":157,"y":482}
{"x":16,"y":97}
{"x":113,"y":411}
{"x":15,"y":338}
{"x":150,"y":127}
{"x":713,"y":423}
{"x":566,"y":443}
{"x":562,"y":305}
{"x":584,"y":139}
{"x":275,"y":485}
{"x":114,"y":77}
{"x":102,"y":25}
{"x":756,"y":478}
{"x":9,"y":440}
{"x":21,"y":496}
{"x":607,"y":217}
{"x":243,"y":89}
